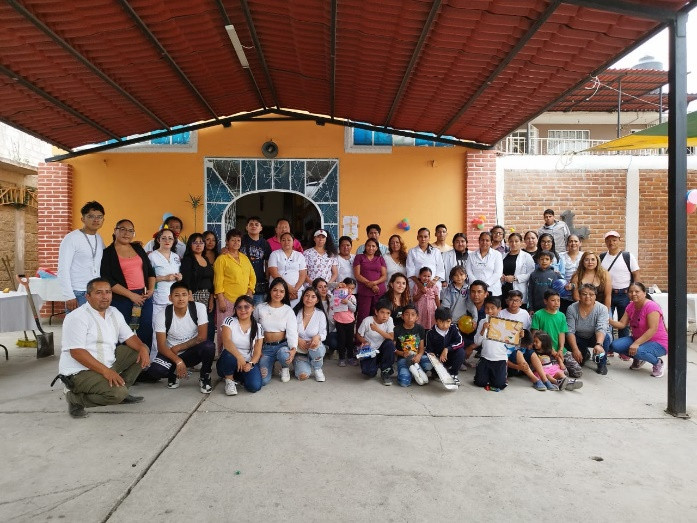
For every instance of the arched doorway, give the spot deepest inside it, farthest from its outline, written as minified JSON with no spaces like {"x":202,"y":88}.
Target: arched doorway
{"x":302,"y":213}
{"x":306,"y":191}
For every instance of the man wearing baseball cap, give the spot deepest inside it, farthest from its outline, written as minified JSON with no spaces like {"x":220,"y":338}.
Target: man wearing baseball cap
{"x":624,"y":269}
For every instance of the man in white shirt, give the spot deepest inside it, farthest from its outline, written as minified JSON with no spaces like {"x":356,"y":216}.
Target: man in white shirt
{"x":624,"y":269}
{"x":80,"y":255}
{"x":101,"y":357}
{"x":373,"y":231}
{"x":181,"y":329}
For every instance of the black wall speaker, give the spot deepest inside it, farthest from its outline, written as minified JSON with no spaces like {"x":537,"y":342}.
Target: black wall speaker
{"x":269,"y":149}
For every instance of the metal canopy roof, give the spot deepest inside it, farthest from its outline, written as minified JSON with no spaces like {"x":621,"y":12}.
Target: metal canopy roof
{"x":636,"y":86}
{"x":86,"y":71}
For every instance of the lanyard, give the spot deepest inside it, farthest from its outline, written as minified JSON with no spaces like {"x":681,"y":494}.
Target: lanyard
{"x":93,"y":250}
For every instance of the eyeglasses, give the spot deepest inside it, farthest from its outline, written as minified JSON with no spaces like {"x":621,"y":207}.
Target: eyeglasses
{"x":243,"y":307}
{"x":96,"y":218}
{"x":126,"y":231}
{"x":198,"y":243}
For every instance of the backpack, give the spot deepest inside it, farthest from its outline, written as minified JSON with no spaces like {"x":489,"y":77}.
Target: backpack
{"x":625,"y":256}
{"x":169,"y":311}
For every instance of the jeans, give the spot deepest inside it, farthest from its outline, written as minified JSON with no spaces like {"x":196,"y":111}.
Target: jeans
{"x":619,"y":302}
{"x":125,"y":307}
{"x":258,"y":298}
{"x":648,"y":351}
{"x":202,"y":353}
{"x":586,"y":345}
{"x":403,"y":373}
{"x":305,"y":363}
{"x":332,"y":342}
{"x":227,"y":366}
{"x":384,"y":360}
{"x":270,"y":354}
{"x":81,"y":297}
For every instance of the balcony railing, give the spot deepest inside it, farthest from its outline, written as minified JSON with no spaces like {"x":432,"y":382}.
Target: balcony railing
{"x":556,"y":146}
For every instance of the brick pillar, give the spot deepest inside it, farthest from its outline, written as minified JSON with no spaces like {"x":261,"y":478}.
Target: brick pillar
{"x":55,"y":214}
{"x":481,"y":193}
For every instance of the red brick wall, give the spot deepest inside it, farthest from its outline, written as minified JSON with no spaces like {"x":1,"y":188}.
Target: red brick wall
{"x":653,"y":230}
{"x":481,"y":192}
{"x":55,"y":215}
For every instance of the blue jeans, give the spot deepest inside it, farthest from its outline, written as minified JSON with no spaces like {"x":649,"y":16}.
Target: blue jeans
{"x":648,"y":351}
{"x":81,"y":297}
{"x":305,"y":363}
{"x":403,"y":374}
{"x":619,"y":302}
{"x":258,"y":298}
{"x":125,"y":307}
{"x":227,"y":366}
{"x":270,"y":354}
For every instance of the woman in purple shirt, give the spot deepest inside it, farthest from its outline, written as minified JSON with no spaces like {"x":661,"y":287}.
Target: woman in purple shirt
{"x":370,"y":272}
{"x":649,"y":339}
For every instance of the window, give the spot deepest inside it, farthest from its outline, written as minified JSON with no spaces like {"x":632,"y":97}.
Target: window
{"x":567,"y":140}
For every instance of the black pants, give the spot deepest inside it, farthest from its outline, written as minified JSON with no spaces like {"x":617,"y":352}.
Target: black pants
{"x":454,"y":361}
{"x":202,"y":353}
{"x":384,"y":360}
{"x":492,"y":373}
{"x":344,"y":332}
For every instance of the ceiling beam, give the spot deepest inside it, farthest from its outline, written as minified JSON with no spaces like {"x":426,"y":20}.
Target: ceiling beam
{"x":227,"y":21}
{"x":34,"y":134}
{"x":627,"y":8}
{"x":503,"y":64}
{"x":83,"y":60}
{"x":257,"y":47}
{"x":322,"y":120}
{"x":55,"y":101}
{"x":332,"y":60}
{"x":412,"y":62}
{"x":163,"y":52}
{"x":225,"y":122}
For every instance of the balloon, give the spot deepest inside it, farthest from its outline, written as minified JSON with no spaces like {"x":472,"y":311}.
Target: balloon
{"x":165,"y":216}
{"x":407,"y":228}
{"x":691,"y":207}
{"x":692,"y":196}
{"x":480,"y":226}
{"x":466,"y":325}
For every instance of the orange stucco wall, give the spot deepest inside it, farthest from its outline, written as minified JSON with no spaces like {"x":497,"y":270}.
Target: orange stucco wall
{"x":425,"y":184}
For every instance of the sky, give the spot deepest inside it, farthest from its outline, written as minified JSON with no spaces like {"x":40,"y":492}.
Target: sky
{"x":658,"y":48}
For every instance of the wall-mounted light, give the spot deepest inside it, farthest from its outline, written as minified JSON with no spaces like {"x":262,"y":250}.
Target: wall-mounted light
{"x":237,"y":45}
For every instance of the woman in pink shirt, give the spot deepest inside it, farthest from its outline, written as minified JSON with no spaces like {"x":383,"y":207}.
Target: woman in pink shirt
{"x":649,"y":339}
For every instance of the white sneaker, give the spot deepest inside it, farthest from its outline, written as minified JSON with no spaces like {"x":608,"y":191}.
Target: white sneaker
{"x":230,"y":387}
{"x":285,"y":374}
{"x":414,"y":369}
{"x":319,"y":375}
{"x":423,"y":375}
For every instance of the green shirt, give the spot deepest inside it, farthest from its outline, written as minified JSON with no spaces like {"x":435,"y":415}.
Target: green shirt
{"x":552,"y":324}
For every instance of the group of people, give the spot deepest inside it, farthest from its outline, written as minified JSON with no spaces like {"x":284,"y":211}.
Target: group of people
{"x":153,"y":312}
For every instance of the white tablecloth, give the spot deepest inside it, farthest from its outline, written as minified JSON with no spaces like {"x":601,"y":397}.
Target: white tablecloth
{"x":662,"y":299}
{"x":15,"y":313}
{"x":48,"y":288}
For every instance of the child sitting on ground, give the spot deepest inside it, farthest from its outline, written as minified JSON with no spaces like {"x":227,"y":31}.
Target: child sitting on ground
{"x":553,"y":363}
{"x":445,"y":341}
{"x":522,"y":359}
{"x":343,"y":309}
{"x":491,"y":369}
{"x":409,"y":341}
{"x":428,"y":299}
{"x":377,"y":332}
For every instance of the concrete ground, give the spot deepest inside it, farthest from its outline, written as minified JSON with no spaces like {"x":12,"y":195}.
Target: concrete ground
{"x":348,"y":449}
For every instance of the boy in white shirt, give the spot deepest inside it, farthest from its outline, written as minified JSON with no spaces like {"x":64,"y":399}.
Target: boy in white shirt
{"x":492,"y":367}
{"x":377,"y":331}
{"x":181,"y":329}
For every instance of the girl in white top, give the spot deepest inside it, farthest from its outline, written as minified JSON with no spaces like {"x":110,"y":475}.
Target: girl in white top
{"x":277,"y":319}
{"x":486,"y":264}
{"x":312,"y":331}
{"x":242,"y":340}
{"x":424,"y":255}
{"x":396,"y":256}
{"x":166,"y":264}
{"x":290,"y":265}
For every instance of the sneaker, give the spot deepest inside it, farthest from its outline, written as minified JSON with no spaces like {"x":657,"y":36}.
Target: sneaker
{"x":75,"y":410}
{"x":602,"y":368}
{"x":636,"y":364}
{"x":657,"y":371}
{"x":624,"y":357}
{"x":456,"y":380}
{"x":319,"y":375}
{"x":610,"y":354}
{"x":230,"y":387}
{"x":562,"y":383}
{"x":414,"y":369}
{"x":132,"y":399}
{"x":204,"y":384}
{"x":386,"y":378}
{"x":342,"y":363}
{"x":423,"y":375}
{"x":285,"y":374}
{"x":353,"y":362}
{"x":172,"y":381}
{"x":551,"y":386}
{"x":573,"y":384}
{"x":539,"y":386}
